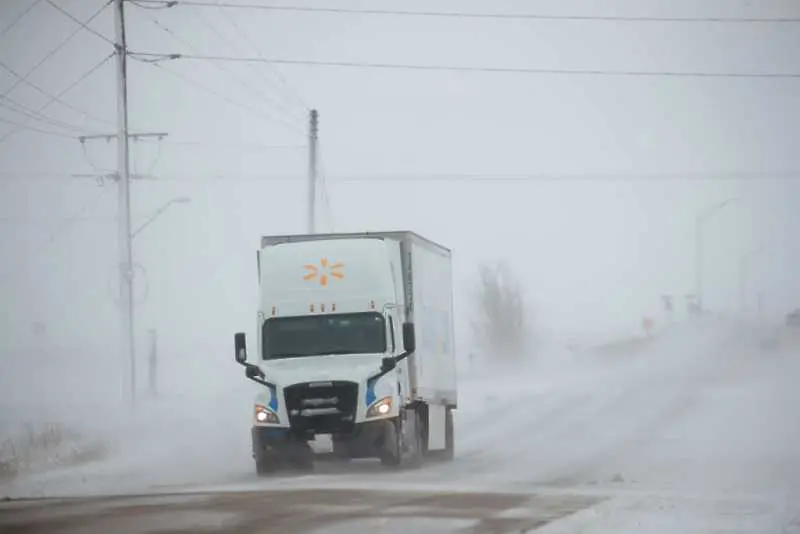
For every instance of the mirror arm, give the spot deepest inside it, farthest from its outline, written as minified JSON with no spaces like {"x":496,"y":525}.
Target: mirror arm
{"x":262,"y":382}
{"x":382,"y":373}
{"x":403,"y":356}
{"x":258,"y":379}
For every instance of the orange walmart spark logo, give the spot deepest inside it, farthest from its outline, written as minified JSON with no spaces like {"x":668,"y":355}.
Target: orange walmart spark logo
{"x":324,"y":272}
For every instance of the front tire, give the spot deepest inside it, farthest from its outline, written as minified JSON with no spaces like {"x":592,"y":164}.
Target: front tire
{"x":397,"y":453}
{"x":266,"y":465}
{"x":302,"y":456}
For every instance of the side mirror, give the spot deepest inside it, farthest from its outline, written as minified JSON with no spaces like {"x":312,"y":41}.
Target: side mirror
{"x":387,"y":364}
{"x":240,"y":347}
{"x":409,"y":338}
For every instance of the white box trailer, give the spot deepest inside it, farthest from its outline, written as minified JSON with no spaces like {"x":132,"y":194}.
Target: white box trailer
{"x":354,"y":340}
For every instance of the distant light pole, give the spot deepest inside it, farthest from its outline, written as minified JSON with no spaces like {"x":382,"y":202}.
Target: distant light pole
{"x":133,"y":234}
{"x":744,"y":263}
{"x":158,"y":213}
{"x":701,"y":220}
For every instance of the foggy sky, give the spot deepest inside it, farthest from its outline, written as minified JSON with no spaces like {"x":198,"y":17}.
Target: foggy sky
{"x":593,"y":254}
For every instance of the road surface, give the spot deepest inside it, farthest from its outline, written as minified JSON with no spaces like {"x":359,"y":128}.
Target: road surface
{"x":700,"y":433}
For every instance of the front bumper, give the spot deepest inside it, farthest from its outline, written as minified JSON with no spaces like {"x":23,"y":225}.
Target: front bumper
{"x":362,"y":440}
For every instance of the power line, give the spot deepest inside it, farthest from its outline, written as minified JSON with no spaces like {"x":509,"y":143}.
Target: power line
{"x":41,"y":91}
{"x":16,"y":107}
{"x":19,"y":17}
{"x":461,"y":14}
{"x":19,"y":126}
{"x":259,"y":94}
{"x":66,"y":90}
{"x":63,"y":227}
{"x":484,"y":70}
{"x":82,"y":24}
{"x":227,"y":144}
{"x":497,"y":178}
{"x":20,"y":79}
{"x":54,"y":50}
{"x":501,"y":178}
{"x":291,"y":92}
{"x":246,"y":107}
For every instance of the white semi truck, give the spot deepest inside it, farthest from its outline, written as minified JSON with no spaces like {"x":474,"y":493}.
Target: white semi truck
{"x":355,"y":341}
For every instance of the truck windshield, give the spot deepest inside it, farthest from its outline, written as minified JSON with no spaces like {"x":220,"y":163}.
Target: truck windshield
{"x":294,"y":337}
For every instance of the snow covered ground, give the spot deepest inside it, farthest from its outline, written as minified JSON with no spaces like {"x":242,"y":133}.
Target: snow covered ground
{"x":698,"y":433}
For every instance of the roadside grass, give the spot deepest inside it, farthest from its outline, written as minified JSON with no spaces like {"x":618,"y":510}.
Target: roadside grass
{"x":36,"y":448}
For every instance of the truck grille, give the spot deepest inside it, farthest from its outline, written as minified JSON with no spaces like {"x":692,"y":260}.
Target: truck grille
{"x":322,"y":407}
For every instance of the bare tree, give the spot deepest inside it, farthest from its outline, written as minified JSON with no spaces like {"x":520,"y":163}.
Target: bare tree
{"x":502,"y":318}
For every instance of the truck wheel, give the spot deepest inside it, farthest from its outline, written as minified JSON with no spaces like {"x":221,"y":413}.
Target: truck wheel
{"x":265,"y":466}
{"x":302,"y":456}
{"x":341,"y":451}
{"x":393,"y":453}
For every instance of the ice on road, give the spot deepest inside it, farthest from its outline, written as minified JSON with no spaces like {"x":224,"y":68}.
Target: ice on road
{"x":698,"y":433}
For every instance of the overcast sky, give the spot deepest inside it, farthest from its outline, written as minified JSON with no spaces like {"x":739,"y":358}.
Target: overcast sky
{"x":629,"y":160}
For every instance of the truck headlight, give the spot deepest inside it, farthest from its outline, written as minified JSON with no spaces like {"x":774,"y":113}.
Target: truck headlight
{"x":265,"y":415}
{"x":380,"y":407}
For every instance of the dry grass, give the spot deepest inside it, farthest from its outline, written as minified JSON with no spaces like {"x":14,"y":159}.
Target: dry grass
{"x":42,"y":447}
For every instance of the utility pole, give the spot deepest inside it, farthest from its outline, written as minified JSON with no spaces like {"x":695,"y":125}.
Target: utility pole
{"x":123,"y":178}
{"x":744,"y":264}
{"x":124,"y":188}
{"x":313,"y":139}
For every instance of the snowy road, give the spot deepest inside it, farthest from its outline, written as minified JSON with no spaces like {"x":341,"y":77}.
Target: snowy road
{"x":698,"y":434}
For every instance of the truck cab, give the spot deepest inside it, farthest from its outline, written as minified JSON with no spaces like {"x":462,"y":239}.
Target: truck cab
{"x":336,"y":353}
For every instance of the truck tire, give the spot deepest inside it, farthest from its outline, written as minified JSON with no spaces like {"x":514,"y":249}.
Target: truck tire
{"x":302,"y":456}
{"x":265,"y":466}
{"x":341,"y":451}
{"x":266,"y":460}
{"x":412,"y":458}
{"x":391,"y":451}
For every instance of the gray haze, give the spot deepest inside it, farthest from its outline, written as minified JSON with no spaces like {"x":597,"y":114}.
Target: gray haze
{"x":594,"y":254}
{"x":580,"y":174}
